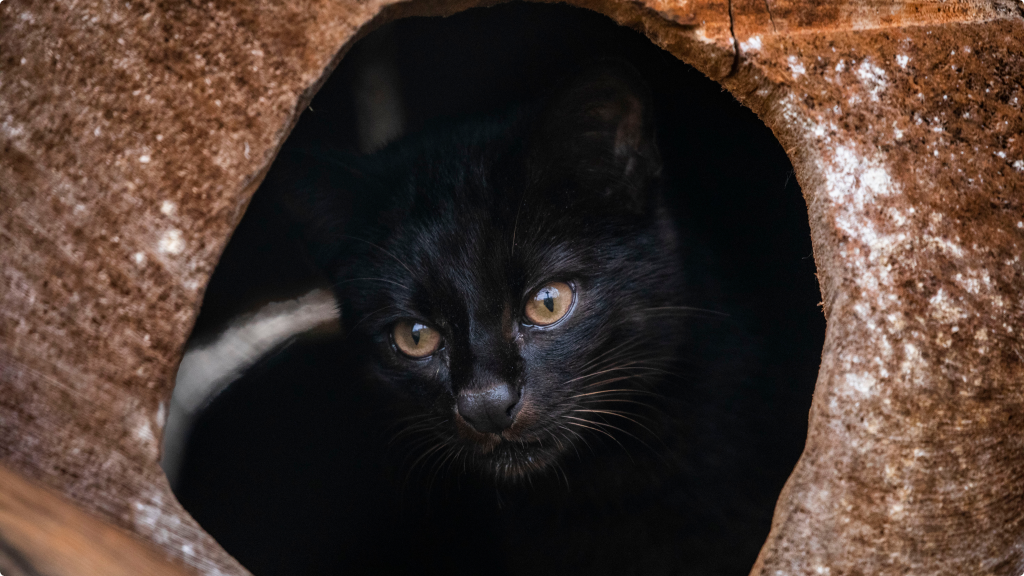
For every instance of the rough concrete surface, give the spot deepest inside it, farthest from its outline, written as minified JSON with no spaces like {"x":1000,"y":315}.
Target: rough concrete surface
{"x":133,"y":133}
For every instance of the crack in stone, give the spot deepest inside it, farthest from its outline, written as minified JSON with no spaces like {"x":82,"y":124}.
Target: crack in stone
{"x":735,"y":44}
{"x":771,"y":17}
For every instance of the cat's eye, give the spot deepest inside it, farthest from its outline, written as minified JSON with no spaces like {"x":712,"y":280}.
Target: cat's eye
{"x":415,"y":339}
{"x":549,"y":304}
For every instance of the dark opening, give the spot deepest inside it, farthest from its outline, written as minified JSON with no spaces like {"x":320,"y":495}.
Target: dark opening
{"x":291,"y":469}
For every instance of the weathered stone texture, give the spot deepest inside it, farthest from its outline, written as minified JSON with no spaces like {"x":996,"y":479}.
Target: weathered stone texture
{"x":133,"y":133}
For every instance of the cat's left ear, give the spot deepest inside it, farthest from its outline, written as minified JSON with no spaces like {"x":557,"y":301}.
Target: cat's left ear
{"x":599,"y":132}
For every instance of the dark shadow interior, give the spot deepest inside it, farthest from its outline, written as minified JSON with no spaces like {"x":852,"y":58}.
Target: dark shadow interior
{"x":285,"y":470}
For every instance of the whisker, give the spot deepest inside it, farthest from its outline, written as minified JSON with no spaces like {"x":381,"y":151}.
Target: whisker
{"x":426,"y":454}
{"x":624,"y":391}
{"x":632,"y":341}
{"x":515,"y":227}
{"x":397,"y":259}
{"x":627,"y":433}
{"x":615,"y":369}
{"x":620,"y":415}
{"x":582,"y":439}
{"x":365,"y":318}
{"x":610,"y":381}
{"x":685,"y":309}
{"x":372,"y":280}
{"x":594,"y":428}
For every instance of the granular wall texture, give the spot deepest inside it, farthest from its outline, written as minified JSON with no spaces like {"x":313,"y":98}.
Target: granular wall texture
{"x":133,"y":135}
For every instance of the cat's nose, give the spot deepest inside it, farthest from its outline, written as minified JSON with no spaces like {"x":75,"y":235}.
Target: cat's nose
{"x":489,"y":409}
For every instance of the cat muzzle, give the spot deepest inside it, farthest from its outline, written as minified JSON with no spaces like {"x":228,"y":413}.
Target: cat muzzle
{"x":489,"y":410}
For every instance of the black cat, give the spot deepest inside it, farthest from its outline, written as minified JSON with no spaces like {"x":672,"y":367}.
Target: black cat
{"x":518,"y":296}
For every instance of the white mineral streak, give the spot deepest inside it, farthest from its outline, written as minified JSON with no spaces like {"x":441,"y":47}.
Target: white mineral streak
{"x":171,"y":242}
{"x":858,"y":186}
{"x":873,"y":78}
{"x":167,"y":530}
{"x":796,"y":67}
{"x":752,"y":44}
{"x":205,"y":371}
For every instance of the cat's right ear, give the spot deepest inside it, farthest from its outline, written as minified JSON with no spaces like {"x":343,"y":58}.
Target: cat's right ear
{"x":321,"y":192}
{"x":598,"y":131}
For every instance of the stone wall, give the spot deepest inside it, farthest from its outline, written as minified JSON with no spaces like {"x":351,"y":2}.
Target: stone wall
{"x":133,"y":134}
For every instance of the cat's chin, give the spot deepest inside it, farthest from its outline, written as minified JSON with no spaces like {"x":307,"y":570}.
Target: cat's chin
{"x":515,"y":455}
{"x":512,"y":461}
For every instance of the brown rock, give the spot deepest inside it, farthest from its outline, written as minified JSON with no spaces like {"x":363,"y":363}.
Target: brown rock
{"x":133,"y":134}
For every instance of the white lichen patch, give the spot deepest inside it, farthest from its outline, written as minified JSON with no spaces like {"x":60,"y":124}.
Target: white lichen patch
{"x":796,"y":67}
{"x":144,"y":432}
{"x":142,"y":429}
{"x":169,"y":532}
{"x":852,"y":183}
{"x":872,"y":78}
{"x":168,"y":208}
{"x":863,"y":383}
{"x":902,"y":60}
{"x":974,"y":281}
{"x":944,"y":309}
{"x":139,"y":258}
{"x":171,"y":242}
{"x":858,"y":186}
{"x":752,"y":44}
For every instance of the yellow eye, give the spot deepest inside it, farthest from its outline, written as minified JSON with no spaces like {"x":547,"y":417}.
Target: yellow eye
{"x":549,"y":304}
{"x":414,"y":339}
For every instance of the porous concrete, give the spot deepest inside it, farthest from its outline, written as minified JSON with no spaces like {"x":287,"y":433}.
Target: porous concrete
{"x":133,"y":134}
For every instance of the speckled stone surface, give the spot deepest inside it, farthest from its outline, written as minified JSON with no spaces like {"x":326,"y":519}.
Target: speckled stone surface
{"x":133,"y":133}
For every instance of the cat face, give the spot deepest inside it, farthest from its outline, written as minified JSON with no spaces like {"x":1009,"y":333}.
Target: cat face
{"x":508,"y":280}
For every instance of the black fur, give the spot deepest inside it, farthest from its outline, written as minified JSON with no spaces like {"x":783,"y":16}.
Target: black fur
{"x":458,"y":228}
{"x":620,"y":459}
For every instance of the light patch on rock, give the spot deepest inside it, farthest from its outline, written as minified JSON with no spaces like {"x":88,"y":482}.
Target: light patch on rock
{"x":139,"y":258}
{"x":974,"y":280}
{"x":171,"y":242}
{"x":224,"y":159}
{"x":168,"y":208}
{"x":144,"y":432}
{"x":944,"y":309}
{"x":873,"y":78}
{"x":902,"y":60}
{"x":168,"y":531}
{"x":752,"y":44}
{"x":863,"y":382}
{"x":796,"y":67}
{"x":10,"y":129}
